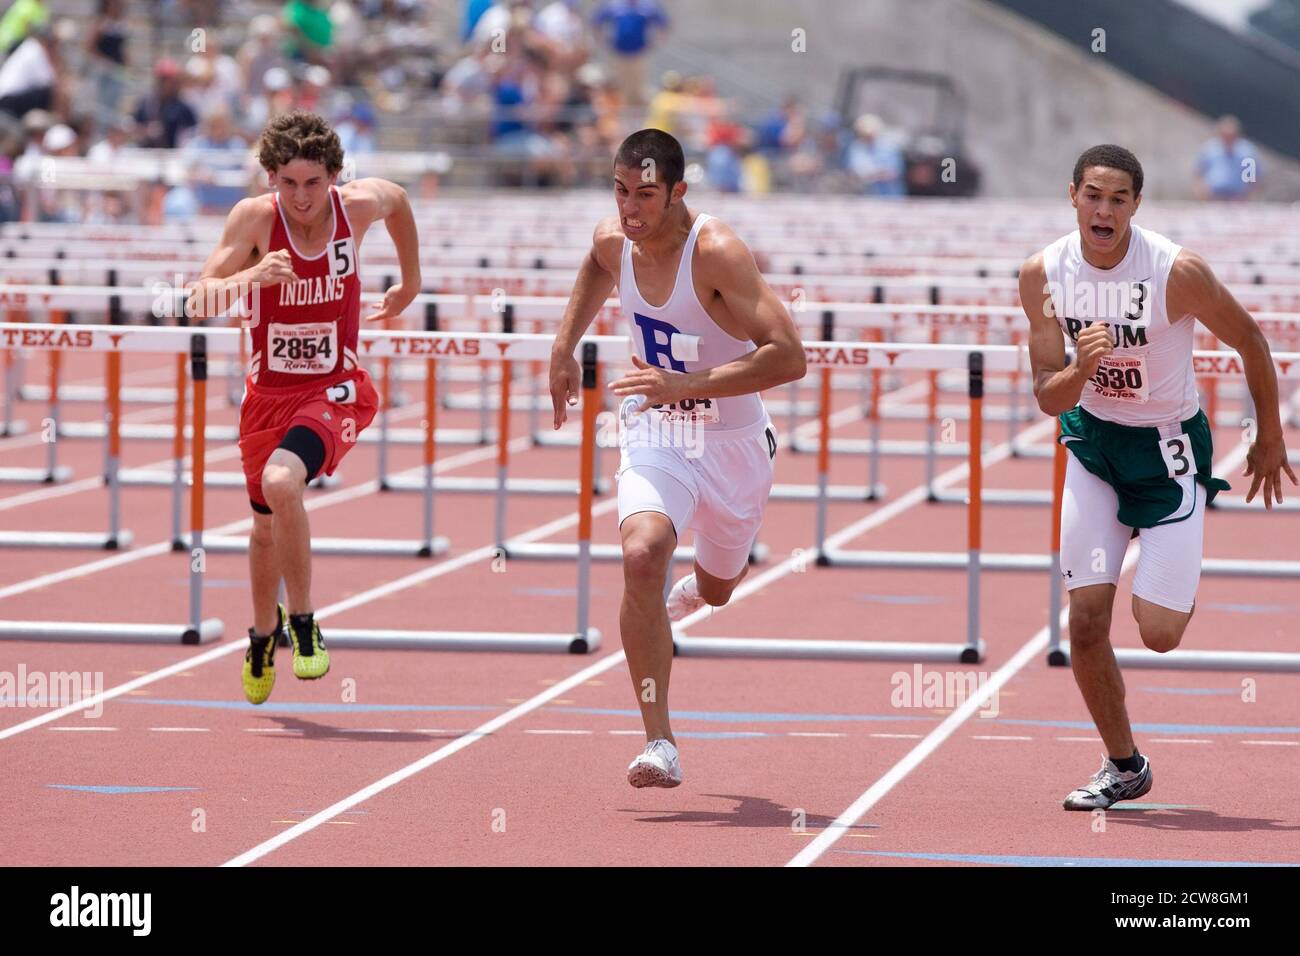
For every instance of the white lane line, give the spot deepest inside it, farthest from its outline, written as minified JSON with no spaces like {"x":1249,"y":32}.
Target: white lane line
{"x":1081,"y":740}
{"x":445,"y":567}
{"x":566,"y":732}
{"x":628,"y":733}
{"x":996,"y":737}
{"x":180,"y":730}
{"x":1178,"y":740}
{"x":442,"y":753}
{"x":1273,"y":743}
{"x":897,"y":736}
{"x":272,"y":730}
{"x":811,"y":733}
{"x":598,"y":667}
{"x":90,"y":729}
{"x":877,"y":791}
{"x":856,"y":810}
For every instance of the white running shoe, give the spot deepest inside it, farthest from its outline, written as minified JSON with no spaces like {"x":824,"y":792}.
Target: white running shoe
{"x":1109,"y":785}
{"x":684,"y":598}
{"x":657,"y":767}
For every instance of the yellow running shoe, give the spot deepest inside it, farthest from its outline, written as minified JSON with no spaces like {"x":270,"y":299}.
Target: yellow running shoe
{"x":259,"y":661}
{"x":311,"y":661}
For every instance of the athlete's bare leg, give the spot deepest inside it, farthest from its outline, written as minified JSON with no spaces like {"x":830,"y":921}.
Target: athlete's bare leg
{"x":716,"y":591}
{"x":264,"y":573}
{"x":648,"y":543}
{"x":283,"y":481}
{"x":1095,"y":669}
{"x":1161,"y":627}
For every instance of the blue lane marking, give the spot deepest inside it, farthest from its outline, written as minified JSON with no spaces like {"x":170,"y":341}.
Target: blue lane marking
{"x":711,"y":716}
{"x":1248,"y":608}
{"x":720,"y":734}
{"x":95,"y":789}
{"x":1195,"y":691}
{"x":746,"y":717}
{"x":306,"y":708}
{"x":1054,"y":860}
{"x":1159,"y":728}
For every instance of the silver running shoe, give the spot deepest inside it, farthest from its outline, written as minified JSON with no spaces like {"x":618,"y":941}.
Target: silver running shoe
{"x":1109,"y":785}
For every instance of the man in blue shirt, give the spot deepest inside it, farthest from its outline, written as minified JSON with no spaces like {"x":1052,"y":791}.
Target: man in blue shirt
{"x":873,"y":160}
{"x":627,"y":26}
{"x":1227,"y":167}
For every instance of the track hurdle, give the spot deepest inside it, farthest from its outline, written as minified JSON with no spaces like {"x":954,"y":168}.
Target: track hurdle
{"x":827,"y":356}
{"x":196,"y":630}
{"x":119,"y":340}
{"x":54,"y":337}
{"x":974,"y":561}
{"x":53,"y":472}
{"x":1058,"y":650}
{"x":428,"y":545}
{"x":585,"y":638}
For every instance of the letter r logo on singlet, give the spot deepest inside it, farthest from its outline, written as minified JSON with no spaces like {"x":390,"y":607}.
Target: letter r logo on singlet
{"x":657,"y":337}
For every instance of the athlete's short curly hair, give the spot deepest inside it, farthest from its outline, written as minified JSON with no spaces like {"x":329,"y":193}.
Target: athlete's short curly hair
{"x":1112,"y":157}
{"x":299,"y":135}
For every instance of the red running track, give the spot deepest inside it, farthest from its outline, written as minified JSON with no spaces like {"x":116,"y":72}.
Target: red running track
{"x":773,"y":750}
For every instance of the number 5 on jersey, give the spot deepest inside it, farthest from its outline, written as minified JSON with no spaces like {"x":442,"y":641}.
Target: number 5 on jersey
{"x":1178,"y":456}
{"x":343,"y":257}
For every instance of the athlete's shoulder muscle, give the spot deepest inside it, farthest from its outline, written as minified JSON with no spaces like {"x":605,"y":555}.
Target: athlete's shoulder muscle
{"x":723,"y":258}
{"x":369,"y":200}
{"x":247,"y":230}
{"x":607,"y":244}
{"x":1034,"y":297}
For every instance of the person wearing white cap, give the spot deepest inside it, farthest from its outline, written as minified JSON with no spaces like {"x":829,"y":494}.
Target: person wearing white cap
{"x":60,"y":140}
{"x":874,"y":160}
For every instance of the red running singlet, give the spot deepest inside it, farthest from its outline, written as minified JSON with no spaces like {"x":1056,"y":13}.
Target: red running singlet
{"x":305,"y":332}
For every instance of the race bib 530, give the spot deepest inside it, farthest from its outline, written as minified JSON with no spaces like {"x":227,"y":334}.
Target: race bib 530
{"x":1122,"y":377}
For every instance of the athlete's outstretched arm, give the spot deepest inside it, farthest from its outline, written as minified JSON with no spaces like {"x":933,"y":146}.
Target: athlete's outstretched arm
{"x":590,"y":291}
{"x":1057,"y":386}
{"x":727,"y":265}
{"x":389,"y":202}
{"x":222,"y":282}
{"x":1194,"y":290}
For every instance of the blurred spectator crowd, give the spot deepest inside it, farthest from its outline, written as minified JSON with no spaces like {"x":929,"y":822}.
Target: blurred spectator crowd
{"x":532,"y":93}
{"x":517,"y":92}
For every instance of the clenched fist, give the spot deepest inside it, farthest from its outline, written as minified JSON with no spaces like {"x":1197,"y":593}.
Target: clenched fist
{"x":1093,"y":344}
{"x":274,"y":269}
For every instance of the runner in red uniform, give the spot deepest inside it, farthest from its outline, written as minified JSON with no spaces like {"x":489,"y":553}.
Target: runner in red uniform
{"x":294,"y":254}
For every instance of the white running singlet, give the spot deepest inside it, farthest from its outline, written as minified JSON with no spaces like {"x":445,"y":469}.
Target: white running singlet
{"x":679,"y":335}
{"x":1147,"y":380}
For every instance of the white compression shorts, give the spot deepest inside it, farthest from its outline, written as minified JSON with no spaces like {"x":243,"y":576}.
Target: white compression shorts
{"x":1093,"y":542}
{"x":716,"y":487}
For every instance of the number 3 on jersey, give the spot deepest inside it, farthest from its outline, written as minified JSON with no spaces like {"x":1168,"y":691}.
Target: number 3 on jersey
{"x":343,"y":257}
{"x":1178,"y":456}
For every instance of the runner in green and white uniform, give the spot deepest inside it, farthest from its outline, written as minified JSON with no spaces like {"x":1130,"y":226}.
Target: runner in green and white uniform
{"x":1141,"y":448}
